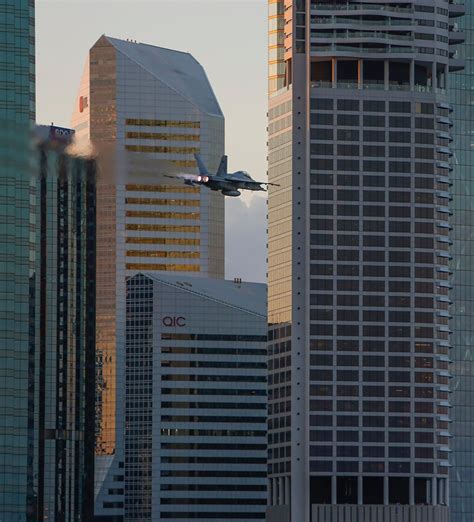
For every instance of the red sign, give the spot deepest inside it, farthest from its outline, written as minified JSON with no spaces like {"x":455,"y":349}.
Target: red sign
{"x":83,"y":103}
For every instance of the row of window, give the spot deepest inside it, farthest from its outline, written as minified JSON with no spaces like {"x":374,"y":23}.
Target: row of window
{"x":345,"y":390}
{"x":328,"y":149}
{"x":324,"y":134}
{"x":370,"y":105}
{"x":370,"y":467}
{"x":372,"y":436}
{"x":355,"y":330}
{"x":354,"y":120}
{"x":370,"y":346}
{"x":353,"y":165}
{"x":372,"y":301}
{"x":407,"y":376}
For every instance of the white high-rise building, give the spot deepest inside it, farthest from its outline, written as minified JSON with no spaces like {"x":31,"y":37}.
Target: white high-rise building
{"x":360,"y":142}
{"x":139,"y":105}
{"x":195,"y":400}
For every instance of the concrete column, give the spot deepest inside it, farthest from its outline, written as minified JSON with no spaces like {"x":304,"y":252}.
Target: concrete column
{"x":275,"y":492}
{"x":334,"y":72}
{"x":334,"y":489}
{"x":386,"y":74}
{"x":412,"y":491}
{"x":412,"y":75}
{"x":360,"y":491}
{"x":360,"y":74}
{"x":434,"y":491}
{"x":434,"y":76}
{"x":385,"y":491}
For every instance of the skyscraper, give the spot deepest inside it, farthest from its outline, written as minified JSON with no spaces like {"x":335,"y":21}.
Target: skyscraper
{"x":62,"y":330}
{"x":462,"y":398}
{"x":17,"y":113}
{"x":360,"y":131}
{"x":140,"y":105}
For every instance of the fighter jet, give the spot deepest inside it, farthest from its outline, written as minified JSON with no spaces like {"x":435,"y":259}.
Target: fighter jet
{"x":230,"y":184}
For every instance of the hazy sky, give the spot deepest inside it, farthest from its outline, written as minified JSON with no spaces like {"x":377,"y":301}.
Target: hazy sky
{"x":228,"y":37}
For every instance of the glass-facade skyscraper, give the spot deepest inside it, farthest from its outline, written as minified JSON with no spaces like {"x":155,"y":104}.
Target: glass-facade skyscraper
{"x":462,"y":354}
{"x":62,"y":330}
{"x":360,"y":140}
{"x":17,"y":113}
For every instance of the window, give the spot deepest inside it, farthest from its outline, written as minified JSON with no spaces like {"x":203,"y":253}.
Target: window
{"x":374,"y":150}
{"x":399,"y":137}
{"x":373,"y":391}
{"x":348,"y":180}
{"x":402,"y":167}
{"x":396,"y":106}
{"x":348,"y":150}
{"x":373,"y":436}
{"x":322,"y":149}
{"x":400,"y":121}
{"x":322,"y":118}
{"x":348,"y":105}
{"x":322,"y":104}
{"x":348,"y":120}
{"x":347,"y":165}
{"x":322,"y":134}
{"x":374,"y":166}
{"x":376,"y":136}
{"x":374,"y":106}
{"x":374,"y":121}
{"x":400,"y":152}
{"x":348,"y":135}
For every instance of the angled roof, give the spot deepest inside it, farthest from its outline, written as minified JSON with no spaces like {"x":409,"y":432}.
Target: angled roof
{"x":178,"y":70}
{"x":248,"y":297}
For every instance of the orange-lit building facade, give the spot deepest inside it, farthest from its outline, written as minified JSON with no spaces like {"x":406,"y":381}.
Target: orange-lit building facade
{"x":141,"y":107}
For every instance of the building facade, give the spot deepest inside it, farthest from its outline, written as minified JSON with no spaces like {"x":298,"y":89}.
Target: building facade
{"x":17,"y":114}
{"x":62,"y":331}
{"x":360,"y":141}
{"x":462,"y":459}
{"x":142,"y":106}
{"x":195,"y":401}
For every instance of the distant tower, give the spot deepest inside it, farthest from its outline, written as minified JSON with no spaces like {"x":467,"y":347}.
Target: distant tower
{"x":139,"y":104}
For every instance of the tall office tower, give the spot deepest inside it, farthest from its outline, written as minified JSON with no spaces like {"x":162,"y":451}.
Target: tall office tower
{"x":462,"y":458}
{"x":359,"y":251}
{"x":17,"y":113}
{"x":140,"y":105}
{"x":195,"y":399}
{"x":63,"y":331}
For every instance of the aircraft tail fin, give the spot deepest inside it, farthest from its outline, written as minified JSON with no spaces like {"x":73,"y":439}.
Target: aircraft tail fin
{"x":202,"y":168}
{"x":222,"y":170}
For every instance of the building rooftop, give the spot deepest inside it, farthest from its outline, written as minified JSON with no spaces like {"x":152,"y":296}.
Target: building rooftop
{"x":178,"y":70}
{"x":251,"y":297}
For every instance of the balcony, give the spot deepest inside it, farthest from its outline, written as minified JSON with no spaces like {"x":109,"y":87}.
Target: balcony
{"x":360,"y":35}
{"x":356,"y":22}
{"x":348,"y":50}
{"x":456,"y":37}
{"x":359,"y":7}
{"x":456,"y":9}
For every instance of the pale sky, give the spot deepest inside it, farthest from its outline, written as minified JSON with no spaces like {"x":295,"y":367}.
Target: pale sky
{"x":228,"y":37}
